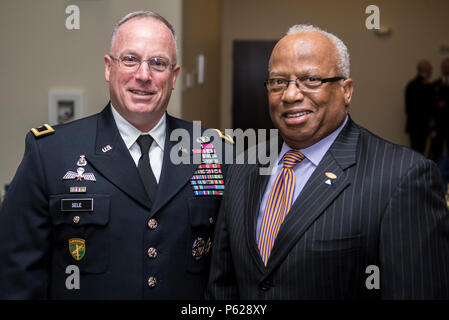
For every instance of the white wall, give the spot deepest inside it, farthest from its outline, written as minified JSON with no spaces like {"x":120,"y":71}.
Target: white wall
{"x":38,"y":53}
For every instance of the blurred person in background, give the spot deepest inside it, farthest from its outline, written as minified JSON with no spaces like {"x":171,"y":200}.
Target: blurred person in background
{"x":418,"y":106}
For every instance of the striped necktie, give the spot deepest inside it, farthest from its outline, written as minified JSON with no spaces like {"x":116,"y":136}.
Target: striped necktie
{"x":279,"y":202}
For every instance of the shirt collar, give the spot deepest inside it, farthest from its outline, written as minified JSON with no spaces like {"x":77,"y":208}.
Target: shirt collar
{"x":316,"y":152}
{"x":130,"y":133}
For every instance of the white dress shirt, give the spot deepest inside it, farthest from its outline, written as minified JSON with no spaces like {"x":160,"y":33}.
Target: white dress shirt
{"x":129,"y":134}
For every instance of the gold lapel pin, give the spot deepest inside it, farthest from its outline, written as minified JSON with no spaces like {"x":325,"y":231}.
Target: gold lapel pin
{"x":330,"y":175}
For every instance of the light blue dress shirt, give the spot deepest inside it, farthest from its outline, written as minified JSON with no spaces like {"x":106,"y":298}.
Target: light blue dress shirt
{"x":303,"y":171}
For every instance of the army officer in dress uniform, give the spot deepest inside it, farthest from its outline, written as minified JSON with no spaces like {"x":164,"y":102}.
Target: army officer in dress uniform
{"x":97,"y":209}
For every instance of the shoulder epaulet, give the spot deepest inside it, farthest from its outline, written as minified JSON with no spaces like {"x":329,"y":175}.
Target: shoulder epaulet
{"x":43,"y":131}
{"x":227,"y":137}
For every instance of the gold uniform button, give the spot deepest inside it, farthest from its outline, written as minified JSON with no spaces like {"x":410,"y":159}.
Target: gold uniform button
{"x":152,"y":282}
{"x":76,"y":219}
{"x":152,"y":253}
{"x":152,"y":224}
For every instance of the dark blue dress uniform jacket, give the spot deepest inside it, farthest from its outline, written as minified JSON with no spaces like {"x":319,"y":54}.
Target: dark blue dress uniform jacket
{"x":34,"y":231}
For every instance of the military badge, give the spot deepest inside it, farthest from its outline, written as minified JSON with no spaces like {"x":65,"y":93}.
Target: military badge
{"x":208,"y":245}
{"x":79,"y":175}
{"x":198,"y":248}
{"x":82,"y":161}
{"x":106,"y":148}
{"x":209,"y":166}
{"x":42,"y":131}
{"x":77,"y":248}
{"x":78,"y":189}
{"x":207,"y":180}
{"x":227,"y":137}
{"x":203,"y":139}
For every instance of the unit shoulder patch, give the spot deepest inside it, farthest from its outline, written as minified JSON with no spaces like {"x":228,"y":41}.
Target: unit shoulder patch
{"x":43,"y":131}
{"x":227,"y":137}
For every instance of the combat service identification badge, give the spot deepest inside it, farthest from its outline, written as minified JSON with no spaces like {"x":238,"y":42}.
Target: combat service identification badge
{"x":198,"y":248}
{"x":77,"y":248}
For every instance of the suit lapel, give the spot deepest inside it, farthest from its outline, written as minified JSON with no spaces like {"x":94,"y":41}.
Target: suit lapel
{"x":173,"y":176}
{"x":316,"y":195}
{"x":116,"y":164}
{"x":255,"y":187}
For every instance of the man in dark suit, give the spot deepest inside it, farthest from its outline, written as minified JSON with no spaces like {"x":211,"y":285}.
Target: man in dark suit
{"x":344,"y":214}
{"x":419,"y":101}
{"x":441,"y":112}
{"x":98,"y":208}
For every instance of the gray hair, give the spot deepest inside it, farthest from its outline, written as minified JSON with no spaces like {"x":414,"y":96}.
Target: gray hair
{"x":144,"y":14}
{"x":343,"y":64}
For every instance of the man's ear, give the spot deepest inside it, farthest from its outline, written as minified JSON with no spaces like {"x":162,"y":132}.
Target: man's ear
{"x":107,"y":66}
{"x":176,"y":70}
{"x":348,"y":88}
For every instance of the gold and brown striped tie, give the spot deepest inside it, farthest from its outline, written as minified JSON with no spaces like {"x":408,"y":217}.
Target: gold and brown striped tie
{"x":279,"y":202}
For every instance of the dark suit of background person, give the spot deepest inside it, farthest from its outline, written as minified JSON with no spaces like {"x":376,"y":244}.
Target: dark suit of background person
{"x":419,"y":102}
{"x":136,"y":248}
{"x":441,"y":111}
{"x":368,"y":202}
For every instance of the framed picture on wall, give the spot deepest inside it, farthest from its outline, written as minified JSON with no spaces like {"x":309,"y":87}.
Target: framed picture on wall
{"x":64,"y":106}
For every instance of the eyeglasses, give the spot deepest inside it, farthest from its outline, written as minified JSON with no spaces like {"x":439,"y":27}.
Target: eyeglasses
{"x":308,"y":83}
{"x":132,"y":63}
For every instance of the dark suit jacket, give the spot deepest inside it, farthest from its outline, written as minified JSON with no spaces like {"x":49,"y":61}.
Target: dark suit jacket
{"x":419,"y":104}
{"x":385,"y":208}
{"x":441,"y":110}
{"x":34,"y":231}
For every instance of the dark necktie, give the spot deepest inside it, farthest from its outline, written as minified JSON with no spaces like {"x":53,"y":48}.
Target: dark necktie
{"x":144,"y":166}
